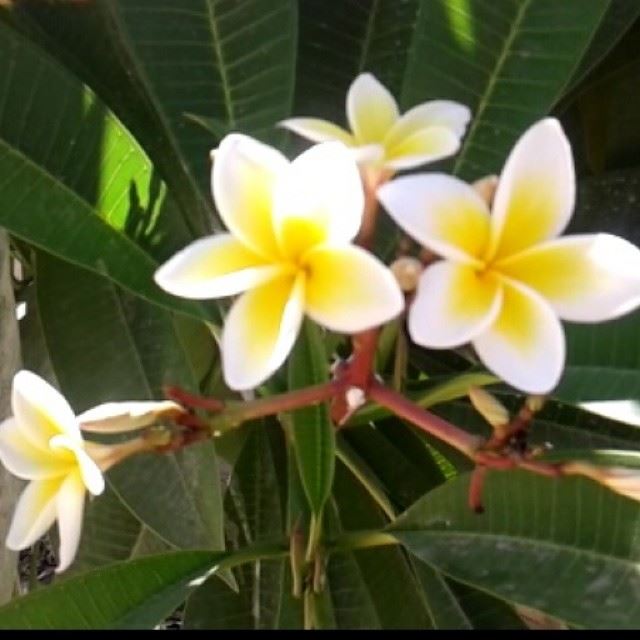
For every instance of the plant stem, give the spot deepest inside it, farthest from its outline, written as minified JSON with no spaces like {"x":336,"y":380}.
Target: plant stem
{"x":431,"y":424}
{"x":235,"y":414}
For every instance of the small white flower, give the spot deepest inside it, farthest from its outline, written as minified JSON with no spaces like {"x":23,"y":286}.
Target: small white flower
{"x":380,"y":137}
{"x":506,"y":277}
{"x":288,"y":252}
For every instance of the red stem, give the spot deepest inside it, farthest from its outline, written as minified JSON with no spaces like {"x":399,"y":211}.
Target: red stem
{"x":431,"y":424}
{"x":236,"y":413}
{"x":476,"y":485}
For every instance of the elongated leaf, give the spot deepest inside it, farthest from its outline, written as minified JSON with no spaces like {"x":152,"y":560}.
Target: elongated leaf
{"x":110,"y":533}
{"x":128,"y":595}
{"x":105,"y":346}
{"x":444,"y":607}
{"x":224,"y":59}
{"x":254,"y":492}
{"x":353,"y":36}
{"x":392,"y":588}
{"x":79,"y":36}
{"x":74,"y":182}
{"x":508,"y":61}
{"x":619,"y":17}
{"x":311,"y":428}
{"x":568,"y":548}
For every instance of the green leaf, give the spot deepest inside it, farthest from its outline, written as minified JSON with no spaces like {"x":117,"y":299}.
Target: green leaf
{"x":311,"y":428}
{"x":398,"y":458}
{"x":232,"y":61}
{"x":566,"y":547}
{"x":353,"y":36}
{"x":128,"y":595}
{"x":75,"y":183}
{"x":619,"y":17}
{"x":105,"y":345}
{"x":445,"y":609}
{"x":254,"y":494}
{"x":81,"y":39}
{"x":215,"y":606}
{"x":508,"y":61}
{"x":110,"y":533}
{"x":387,"y":576}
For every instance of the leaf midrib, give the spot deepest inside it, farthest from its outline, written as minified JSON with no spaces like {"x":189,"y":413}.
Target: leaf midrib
{"x":626,"y":563}
{"x":493,"y":79}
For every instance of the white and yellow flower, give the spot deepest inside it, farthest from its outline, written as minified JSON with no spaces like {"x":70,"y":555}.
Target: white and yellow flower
{"x":42,"y":443}
{"x":380,"y":137}
{"x":289,"y":252}
{"x":506,"y":277}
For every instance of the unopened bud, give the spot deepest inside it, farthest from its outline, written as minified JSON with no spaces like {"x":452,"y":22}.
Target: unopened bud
{"x":535,"y":403}
{"x":486,"y":188}
{"x":489,"y":407}
{"x":622,"y":480}
{"x":407,"y":271}
{"x":120,"y":417}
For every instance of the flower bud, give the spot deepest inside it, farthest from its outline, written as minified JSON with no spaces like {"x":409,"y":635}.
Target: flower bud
{"x":486,"y":188}
{"x":120,"y":417}
{"x":489,"y":407}
{"x":535,"y":403}
{"x":407,"y":271}
{"x":622,"y":480}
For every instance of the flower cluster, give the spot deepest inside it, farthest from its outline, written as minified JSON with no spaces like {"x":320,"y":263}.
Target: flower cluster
{"x":501,"y":280}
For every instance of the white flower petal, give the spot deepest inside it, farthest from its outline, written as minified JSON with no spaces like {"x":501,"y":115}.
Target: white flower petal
{"x":536,"y":192}
{"x":371,"y":109}
{"x":318,"y":199}
{"x":425,"y":145}
{"x":525,"y":346}
{"x":243,"y":178}
{"x":453,"y":305}
{"x":368,"y":154}
{"x":89,"y":471}
{"x":440,"y":212}
{"x":25,"y":460}
{"x":438,"y":113}
{"x":260,"y":331}
{"x":41,"y":411}
{"x":318,"y":130}
{"x":214,"y":267}
{"x":119,"y":417}
{"x":69,"y":508}
{"x":350,"y":290}
{"x":586,"y":278}
{"x":34,"y":514}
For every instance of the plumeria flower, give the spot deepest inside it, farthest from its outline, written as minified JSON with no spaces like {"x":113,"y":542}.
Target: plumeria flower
{"x":42,"y":443}
{"x":380,"y":137}
{"x":506,"y":277}
{"x":289,"y":252}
